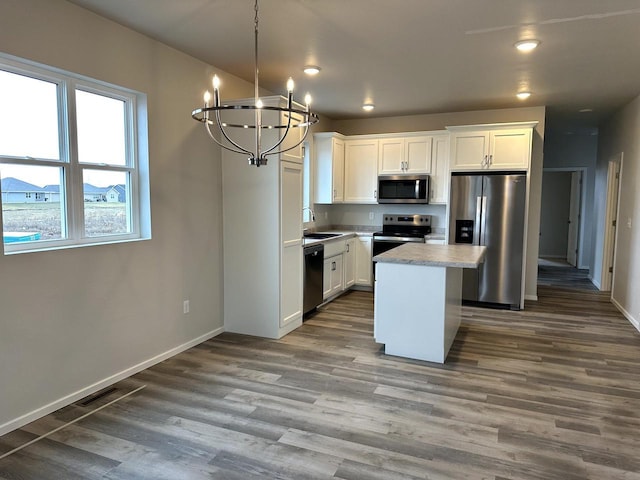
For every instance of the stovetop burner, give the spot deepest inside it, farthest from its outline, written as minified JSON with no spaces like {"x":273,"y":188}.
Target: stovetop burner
{"x":405,"y":225}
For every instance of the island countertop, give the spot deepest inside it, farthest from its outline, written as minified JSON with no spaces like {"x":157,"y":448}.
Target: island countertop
{"x":461,"y":256}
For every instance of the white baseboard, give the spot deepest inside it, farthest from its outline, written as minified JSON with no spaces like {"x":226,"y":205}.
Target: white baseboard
{"x":83,"y":392}
{"x":595,"y":282}
{"x":634,"y":321}
{"x":533,"y":298}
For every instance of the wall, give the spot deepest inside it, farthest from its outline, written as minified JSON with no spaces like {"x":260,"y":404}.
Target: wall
{"x":64,"y":334}
{"x":621,"y":133}
{"x":556,"y":195}
{"x":439,"y":122}
{"x":577,"y":151}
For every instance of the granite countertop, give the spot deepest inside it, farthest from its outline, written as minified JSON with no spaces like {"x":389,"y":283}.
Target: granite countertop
{"x":341,"y":235}
{"x":462,"y":256}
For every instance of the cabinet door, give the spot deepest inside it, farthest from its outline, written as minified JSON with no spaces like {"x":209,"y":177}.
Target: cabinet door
{"x":392,"y":156}
{"x":293,"y":137}
{"x":440,"y":170}
{"x":338,"y":170}
{"x":363,"y":261}
{"x":469,"y":150}
{"x":418,"y":155}
{"x":336,"y":274}
{"x":510,"y":148}
{"x":329,"y":168}
{"x":361,"y":171}
{"x":350,"y":263}
{"x":326,"y":278}
{"x":291,"y":256}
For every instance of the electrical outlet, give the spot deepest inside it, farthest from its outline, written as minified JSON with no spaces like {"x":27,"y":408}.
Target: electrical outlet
{"x":371,"y":215}
{"x":185,"y":307}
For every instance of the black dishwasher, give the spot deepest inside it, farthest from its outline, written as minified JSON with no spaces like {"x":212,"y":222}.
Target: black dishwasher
{"x":313,"y":276}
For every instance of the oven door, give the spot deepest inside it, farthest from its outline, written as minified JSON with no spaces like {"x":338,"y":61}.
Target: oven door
{"x":383,"y":244}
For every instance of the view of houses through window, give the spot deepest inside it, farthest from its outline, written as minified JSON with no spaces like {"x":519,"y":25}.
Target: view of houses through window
{"x":67,"y":159}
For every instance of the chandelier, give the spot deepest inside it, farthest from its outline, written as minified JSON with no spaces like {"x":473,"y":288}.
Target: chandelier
{"x":289,"y":117}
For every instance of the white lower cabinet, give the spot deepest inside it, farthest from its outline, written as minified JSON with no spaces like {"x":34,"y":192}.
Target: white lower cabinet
{"x":364,"y":266}
{"x":349,"y":263}
{"x":333,"y":276}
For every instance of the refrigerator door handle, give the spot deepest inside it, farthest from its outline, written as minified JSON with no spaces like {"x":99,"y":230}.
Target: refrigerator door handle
{"x":483,"y":215}
{"x":476,"y":229}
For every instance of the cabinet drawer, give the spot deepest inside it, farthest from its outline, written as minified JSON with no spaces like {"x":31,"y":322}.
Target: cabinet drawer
{"x":334,"y":247}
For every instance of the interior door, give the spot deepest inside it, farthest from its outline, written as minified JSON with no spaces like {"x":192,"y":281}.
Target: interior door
{"x":574,"y":218}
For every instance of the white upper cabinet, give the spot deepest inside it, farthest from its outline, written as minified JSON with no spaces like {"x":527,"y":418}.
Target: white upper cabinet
{"x":329,"y":177}
{"x":361,"y":171}
{"x":491,"y":147}
{"x":293,"y":137}
{"x":405,"y":155}
{"x":440,"y":170}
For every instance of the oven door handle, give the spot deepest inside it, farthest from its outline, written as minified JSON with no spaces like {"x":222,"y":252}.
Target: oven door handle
{"x":399,"y":239}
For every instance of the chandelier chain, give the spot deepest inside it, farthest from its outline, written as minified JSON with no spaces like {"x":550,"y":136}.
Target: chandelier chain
{"x":255,"y":24}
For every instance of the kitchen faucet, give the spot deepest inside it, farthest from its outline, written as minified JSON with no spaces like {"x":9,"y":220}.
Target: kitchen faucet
{"x":313,"y":215}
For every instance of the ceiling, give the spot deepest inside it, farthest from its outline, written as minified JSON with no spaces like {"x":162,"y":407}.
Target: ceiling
{"x":412,"y":56}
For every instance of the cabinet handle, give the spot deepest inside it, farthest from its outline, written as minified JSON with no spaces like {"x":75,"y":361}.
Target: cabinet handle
{"x":333,"y":266}
{"x":335,"y":193}
{"x":490,"y":160}
{"x":348,"y":247}
{"x":375,"y":194}
{"x":484,"y":163}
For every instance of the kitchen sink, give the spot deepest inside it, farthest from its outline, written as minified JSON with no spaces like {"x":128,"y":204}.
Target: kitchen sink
{"x":321,"y":236}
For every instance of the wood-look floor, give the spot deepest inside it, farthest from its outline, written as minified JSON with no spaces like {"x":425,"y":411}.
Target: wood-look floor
{"x":564,"y":276}
{"x":552,"y":392}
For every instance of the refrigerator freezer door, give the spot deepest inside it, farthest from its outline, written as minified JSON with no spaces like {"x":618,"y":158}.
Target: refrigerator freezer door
{"x":464,"y":223}
{"x":502,"y":231}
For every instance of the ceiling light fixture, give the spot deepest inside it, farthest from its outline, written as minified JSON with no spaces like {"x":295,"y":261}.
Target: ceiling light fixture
{"x":523,"y":95}
{"x":295,"y":117}
{"x":585,"y":110}
{"x":367,"y":107}
{"x":311,"y":69}
{"x":527,"y":45}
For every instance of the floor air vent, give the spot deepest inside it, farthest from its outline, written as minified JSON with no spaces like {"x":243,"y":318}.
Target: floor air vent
{"x":86,"y":401}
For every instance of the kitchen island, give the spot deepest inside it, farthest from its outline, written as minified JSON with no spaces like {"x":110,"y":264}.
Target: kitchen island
{"x":418,"y":298}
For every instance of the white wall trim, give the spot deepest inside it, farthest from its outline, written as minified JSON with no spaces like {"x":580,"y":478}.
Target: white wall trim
{"x":533,"y":298}
{"x":88,"y":390}
{"x":595,"y":282}
{"x":634,"y":321}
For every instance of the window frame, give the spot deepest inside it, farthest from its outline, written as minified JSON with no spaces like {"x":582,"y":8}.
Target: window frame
{"x":72,"y":170}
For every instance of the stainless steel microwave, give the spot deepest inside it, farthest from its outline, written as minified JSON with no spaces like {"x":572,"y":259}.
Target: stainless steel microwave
{"x":403,"y":189}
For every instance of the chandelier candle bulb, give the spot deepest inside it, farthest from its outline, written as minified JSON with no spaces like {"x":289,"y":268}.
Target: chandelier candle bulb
{"x":290,"y":85}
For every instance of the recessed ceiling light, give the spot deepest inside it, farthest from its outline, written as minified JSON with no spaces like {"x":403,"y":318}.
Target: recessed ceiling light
{"x":311,"y":69}
{"x":367,"y":107}
{"x":527,"y":45}
{"x":585,"y":110}
{"x":523,"y":95}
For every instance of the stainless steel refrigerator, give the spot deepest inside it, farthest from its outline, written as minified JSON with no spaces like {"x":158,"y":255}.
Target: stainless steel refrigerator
{"x":489,"y":209}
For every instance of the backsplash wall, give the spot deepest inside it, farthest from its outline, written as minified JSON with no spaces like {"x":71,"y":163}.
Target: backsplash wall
{"x":354,"y":214}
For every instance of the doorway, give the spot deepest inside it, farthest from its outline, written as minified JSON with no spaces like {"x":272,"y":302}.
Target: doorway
{"x":561,"y":229}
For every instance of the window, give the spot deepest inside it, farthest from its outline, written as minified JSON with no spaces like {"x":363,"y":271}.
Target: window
{"x":71,"y":167}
